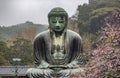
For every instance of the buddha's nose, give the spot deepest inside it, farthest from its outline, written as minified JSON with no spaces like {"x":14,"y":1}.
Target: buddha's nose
{"x":57,"y":24}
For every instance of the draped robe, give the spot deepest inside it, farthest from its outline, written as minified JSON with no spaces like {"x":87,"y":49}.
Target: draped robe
{"x":43,"y":58}
{"x":42,"y":48}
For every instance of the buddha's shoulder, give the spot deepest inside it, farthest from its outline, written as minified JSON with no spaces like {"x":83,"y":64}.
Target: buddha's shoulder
{"x":42,"y":34}
{"x":72,"y":33}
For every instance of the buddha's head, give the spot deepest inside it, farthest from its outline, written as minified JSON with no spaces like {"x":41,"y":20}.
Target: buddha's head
{"x":58,"y":19}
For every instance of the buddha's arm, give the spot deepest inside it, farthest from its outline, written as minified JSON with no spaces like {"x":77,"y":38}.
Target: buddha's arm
{"x":78,"y":49}
{"x":39,"y":52}
{"x":73,"y":64}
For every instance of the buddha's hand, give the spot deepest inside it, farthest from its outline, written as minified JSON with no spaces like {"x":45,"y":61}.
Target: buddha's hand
{"x":72,"y":65}
{"x":48,"y":73}
{"x":64,"y":73}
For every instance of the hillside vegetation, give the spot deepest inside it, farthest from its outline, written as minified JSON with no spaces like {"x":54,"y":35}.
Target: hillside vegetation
{"x":16,"y":42}
{"x":25,"y":30}
{"x":91,"y":16}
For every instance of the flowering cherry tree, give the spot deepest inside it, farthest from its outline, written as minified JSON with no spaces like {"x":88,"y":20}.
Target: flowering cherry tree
{"x":105,"y":59}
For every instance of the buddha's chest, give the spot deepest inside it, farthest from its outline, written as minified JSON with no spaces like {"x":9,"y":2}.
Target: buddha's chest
{"x":58,"y":51}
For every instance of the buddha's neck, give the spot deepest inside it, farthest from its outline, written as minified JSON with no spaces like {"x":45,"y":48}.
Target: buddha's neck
{"x":58,"y":34}
{"x":58,"y":39}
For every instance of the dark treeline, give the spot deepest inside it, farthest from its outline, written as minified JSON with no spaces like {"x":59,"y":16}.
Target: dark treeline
{"x":19,"y":48}
{"x":10,"y":32}
{"x":91,"y":16}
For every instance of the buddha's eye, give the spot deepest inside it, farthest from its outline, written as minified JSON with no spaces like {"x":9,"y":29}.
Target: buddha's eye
{"x":61,"y":21}
{"x":54,"y":21}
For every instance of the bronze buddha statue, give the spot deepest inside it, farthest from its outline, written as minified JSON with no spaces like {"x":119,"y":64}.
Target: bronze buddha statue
{"x":56,"y":50}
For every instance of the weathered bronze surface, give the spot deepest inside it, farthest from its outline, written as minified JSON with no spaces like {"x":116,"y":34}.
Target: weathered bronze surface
{"x":56,"y":50}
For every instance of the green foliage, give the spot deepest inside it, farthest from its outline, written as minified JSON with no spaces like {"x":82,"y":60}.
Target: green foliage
{"x":91,"y":16}
{"x":3,"y":36}
{"x":104,"y":62}
{"x":10,"y":31}
{"x":97,"y":18}
{"x":3,"y":50}
{"x":89,"y":43}
{"x":22,"y":48}
{"x":3,"y":61}
{"x":72,"y":24}
{"x":113,"y":74}
{"x":3,"y":47}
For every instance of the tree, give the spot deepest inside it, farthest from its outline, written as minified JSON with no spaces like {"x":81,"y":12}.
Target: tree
{"x":28,"y":33}
{"x":4,"y":50}
{"x":22,"y":48}
{"x":97,"y":16}
{"x":3,"y":61}
{"x":105,"y":59}
{"x":91,"y":16}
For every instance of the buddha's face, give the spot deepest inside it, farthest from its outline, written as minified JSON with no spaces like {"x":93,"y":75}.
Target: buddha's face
{"x":57,"y":23}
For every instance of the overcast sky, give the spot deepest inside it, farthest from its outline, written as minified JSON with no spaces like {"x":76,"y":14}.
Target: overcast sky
{"x":19,"y":11}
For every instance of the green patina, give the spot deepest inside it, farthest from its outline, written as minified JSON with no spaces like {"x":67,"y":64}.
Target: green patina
{"x":57,"y":49}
